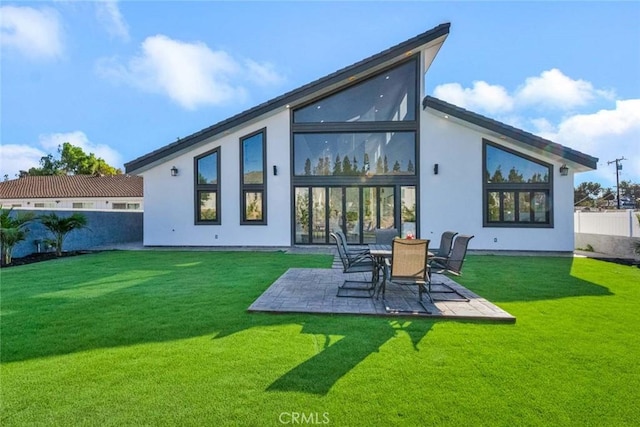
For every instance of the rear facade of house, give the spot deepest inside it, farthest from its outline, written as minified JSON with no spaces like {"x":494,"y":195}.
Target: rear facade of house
{"x":357,"y":150}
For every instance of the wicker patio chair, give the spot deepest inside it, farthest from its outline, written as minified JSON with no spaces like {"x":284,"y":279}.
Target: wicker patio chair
{"x":408,"y":266}
{"x":362,"y":263}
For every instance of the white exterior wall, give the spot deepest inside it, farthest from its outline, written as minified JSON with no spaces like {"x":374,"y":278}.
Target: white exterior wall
{"x":169,"y":201}
{"x":452,"y":200}
{"x":61,"y":203}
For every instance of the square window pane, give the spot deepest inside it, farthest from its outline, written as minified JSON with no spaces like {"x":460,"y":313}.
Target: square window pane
{"x":253,"y":206}
{"x":207,"y":206}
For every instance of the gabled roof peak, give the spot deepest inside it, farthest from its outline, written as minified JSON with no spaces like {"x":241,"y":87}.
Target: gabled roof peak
{"x":388,"y":56}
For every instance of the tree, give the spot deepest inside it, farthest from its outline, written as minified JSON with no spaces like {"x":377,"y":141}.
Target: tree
{"x":396,"y":167}
{"x":60,"y":227}
{"x":12,"y":231}
{"x":307,"y":167}
{"x":73,"y":160}
{"x":346,"y":166}
{"x":586,"y":193}
{"x":411,"y":168}
{"x":337,"y":166}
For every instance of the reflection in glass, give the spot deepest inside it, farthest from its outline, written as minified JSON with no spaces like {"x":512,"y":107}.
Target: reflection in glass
{"x":540,"y":207}
{"x":509,"y":206}
{"x":252,"y":162}
{"x":370,"y":205}
{"x":207,"y":204}
{"x":335,"y":209}
{"x":208,"y":169}
{"x":353,"y":214}
{"x":389,"y":96}
{"x":387,"y":208}
{"x":318,"y":217}
{"x":302,"y":215}
{"x":354,"y":154}
{"x":494,"y":206}
{"x":408,"y":214}
{"x":253,"y":205}
{"x":524,"y":207}
{"x":503,"y":166}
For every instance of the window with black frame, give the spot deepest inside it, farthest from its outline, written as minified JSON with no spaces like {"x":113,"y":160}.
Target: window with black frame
{"x":517,"y":189}
{"x":207,"y":188}
{"x":253,"y":179}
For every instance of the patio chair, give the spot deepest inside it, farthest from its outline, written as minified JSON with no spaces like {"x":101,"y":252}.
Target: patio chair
{"x":362,"y":263}
{"x":351,"y":251}
{"x":384,"y":236}
{"x":408,"y":267}
{"x":451,"y":264}
{"x":446,"y":241}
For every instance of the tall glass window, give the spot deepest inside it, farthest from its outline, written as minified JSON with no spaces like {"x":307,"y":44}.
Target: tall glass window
{"x":207,"y":181}
{"x":387,"y":97}
{"x":253,"y":178}
{"x":517,"y":189}
{"x":354,"y":153}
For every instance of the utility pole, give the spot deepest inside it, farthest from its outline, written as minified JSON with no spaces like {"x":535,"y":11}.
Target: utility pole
{"x":618,"y":169}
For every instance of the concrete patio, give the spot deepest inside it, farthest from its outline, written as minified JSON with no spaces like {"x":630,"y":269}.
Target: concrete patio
{"x":314,"y":290}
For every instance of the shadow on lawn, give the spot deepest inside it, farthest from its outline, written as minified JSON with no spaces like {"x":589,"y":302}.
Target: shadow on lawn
{"x":318,"y":374}
{"x":163,"y":301}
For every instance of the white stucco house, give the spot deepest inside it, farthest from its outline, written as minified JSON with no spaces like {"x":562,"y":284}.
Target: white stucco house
{"x":360,"y":149}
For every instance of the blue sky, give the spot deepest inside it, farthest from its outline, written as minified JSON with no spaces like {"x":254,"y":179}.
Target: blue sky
{"x":121,"y":79}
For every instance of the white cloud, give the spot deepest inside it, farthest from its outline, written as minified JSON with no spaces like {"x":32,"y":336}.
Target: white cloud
{"x":111,"y":18}
{"x":17,"y":157}
{"x":483,"y":96}
{"x":35,"y":33}
{"x":191,"y":74}
{"x":554,"y":89}
{"x":606,"y":134}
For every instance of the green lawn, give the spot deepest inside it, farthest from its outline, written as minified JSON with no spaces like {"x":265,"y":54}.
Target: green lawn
{"x":163,"y":338}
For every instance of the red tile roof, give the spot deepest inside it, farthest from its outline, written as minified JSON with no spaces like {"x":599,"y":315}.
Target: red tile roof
{"x":65,"y":186}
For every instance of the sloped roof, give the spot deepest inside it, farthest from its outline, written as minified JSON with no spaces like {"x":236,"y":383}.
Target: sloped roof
{"x":66,"y":186}
{"x":290,"y":97}
{"x":508,"y":131}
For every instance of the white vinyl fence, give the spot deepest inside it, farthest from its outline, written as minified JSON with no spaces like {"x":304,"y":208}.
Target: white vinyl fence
{"x":611,"y":223}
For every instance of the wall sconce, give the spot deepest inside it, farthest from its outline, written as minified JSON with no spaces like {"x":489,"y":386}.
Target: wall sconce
{"x":275,"y":170}
{"x":174,"y":171}
{"x":564,"y":170}
{"x":435,"y":169}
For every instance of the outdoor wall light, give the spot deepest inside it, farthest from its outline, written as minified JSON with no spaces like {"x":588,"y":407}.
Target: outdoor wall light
{"x":435,"y":169}
{"x":564,"y":170}
{"x":174,"y":171}
{"x":275,"y":170}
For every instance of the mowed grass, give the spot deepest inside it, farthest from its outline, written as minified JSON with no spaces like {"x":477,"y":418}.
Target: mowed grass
{"x":164,"y":338}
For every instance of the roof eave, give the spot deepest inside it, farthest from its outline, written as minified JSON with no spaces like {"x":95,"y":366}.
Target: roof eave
{"x":578,"y":158}
{"x":394,"y":53}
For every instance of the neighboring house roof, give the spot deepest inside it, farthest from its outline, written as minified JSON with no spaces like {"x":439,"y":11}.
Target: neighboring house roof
{"x":340,"y":76}
{"x":66,"y":186}
{"x":522,"y":136}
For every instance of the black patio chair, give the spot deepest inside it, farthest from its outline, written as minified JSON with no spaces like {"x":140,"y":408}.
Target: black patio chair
{"x":350,"y":251}
{"x":361,"y":263}
{"x":384,"y":236}
{"x":408,"y":267}
{"x":446,"y":241}
{"x":451,"y":264}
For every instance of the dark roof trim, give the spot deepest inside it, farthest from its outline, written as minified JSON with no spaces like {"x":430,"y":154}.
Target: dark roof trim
{"x":289,"y":97}
{"x":511,"y":132}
